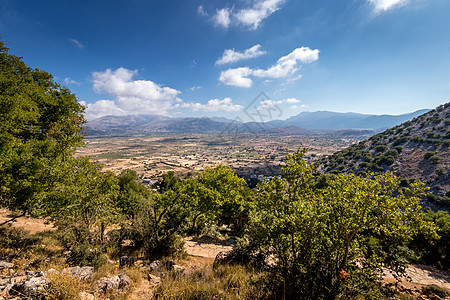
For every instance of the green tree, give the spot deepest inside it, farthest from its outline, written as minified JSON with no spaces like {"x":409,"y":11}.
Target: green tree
{"x":40,"y":124}
{"x":317,"y":235}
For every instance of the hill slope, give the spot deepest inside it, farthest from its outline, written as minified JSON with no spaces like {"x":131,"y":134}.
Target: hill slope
{"x":417,"y":149}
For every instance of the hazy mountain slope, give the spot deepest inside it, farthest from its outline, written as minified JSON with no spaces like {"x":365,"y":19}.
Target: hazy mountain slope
{"x":417,"y":149}
{"x":336,"y":121}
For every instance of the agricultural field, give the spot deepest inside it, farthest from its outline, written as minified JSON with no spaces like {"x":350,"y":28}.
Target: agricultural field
{"x":153,"y":155}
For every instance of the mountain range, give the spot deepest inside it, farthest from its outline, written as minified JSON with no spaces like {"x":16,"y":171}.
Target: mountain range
{"x":301,"y":123}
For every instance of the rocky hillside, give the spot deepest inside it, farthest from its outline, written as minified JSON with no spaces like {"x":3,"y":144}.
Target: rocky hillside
{"x":416,"y":149}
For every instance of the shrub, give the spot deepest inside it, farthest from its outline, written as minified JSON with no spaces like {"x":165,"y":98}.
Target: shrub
{"x":435,"y":290}
{"x":399,"y":149}
{"x":435,"y":159}
{"x":428,"y":154}
{"x":380,"y":148}
{"x":440,"y":171}
{"x":62,"y":287}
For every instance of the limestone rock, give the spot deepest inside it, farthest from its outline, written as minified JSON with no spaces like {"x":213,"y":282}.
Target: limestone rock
{"x":80,"y":273}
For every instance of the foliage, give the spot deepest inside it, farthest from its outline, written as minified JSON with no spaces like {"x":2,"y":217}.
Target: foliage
{"x":317,"y":237}
{"x":131,"y":192}
{"x":40,"y":123}
{"x":218,"y":195}
{"x":437,"y":252}
{"x":158,"y":223}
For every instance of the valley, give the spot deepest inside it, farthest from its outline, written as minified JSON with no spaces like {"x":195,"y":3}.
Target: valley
{"x":248,"y":154}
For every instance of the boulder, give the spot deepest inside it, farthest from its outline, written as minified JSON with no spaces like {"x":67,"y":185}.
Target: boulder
{"x":154,"y":265}
{"x":31,"y":288}
{"x":80,"y":273}
{"x":115,"y":282}
{"x":6,"y":265}
{"x":86,"y":296}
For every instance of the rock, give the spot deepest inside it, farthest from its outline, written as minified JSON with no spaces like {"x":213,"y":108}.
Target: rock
{"x":113,"y":283}
{"x":80,"y":273}
{"x":6,"y":265}
{"x":169,"y":264}
{"x":31,"y":288}
{"x":154,"y":279}
{"x":125,"y":280}
{"x":86,"y":296}
{"x":155,"y":265}
{"x":126,"y":261}
{"x":219,"y":259}
{"x":177,"y":268}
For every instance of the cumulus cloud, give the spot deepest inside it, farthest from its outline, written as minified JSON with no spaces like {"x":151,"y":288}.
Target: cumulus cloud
{"x":285,"y":66}
{"x":129,"y":96}
{"x":237,"y":77}
{"x":222,"y":17}
{"x":250,"y":17}
{"x":289,"y":64}
{"x":266,"y":104}
{"x":230,"y":56}
{"x":225,"y":104}
{"x":253,"y":16}
{"x":77,"y":43}
{"x":384,"y":5}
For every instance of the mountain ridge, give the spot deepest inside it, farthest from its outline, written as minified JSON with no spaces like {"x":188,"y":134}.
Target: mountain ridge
{"x":320,"y":120}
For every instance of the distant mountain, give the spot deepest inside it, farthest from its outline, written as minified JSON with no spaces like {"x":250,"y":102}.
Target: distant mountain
{"x":416,"y":149}
{"x":327,"y":120}
{"x":301,"y":123}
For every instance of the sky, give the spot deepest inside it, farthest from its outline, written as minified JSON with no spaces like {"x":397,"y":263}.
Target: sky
{"x":231,"y":59}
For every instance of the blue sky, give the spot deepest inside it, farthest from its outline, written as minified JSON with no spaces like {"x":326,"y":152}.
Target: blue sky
{"x":213,"y":58}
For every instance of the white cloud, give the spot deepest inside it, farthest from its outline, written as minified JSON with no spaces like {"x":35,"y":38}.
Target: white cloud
{"x":237,"y":77}
{"x":230,"y":56}
{"x":266,"y":104}
{"x":214,"y":105}
{"x":194,"y":88}
{"x":289,"y":64}
{"x":285,"y":66}
{"x":130,"y":96}
{"x":384,"y":5}
{"x":77,"y":43}
{"x":250,"y":17}
{"x":69,"y":81}
{"x":253,"y":16}
{"x":222,"y":17}
{"x":201,"y":11}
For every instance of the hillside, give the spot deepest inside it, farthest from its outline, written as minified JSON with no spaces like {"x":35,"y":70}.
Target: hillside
{"x":416,"y":149}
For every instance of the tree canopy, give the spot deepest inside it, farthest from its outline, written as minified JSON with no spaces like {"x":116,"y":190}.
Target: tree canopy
{"x":40,"y":123}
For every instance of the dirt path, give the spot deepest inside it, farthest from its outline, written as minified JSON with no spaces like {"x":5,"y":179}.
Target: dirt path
{"x":29,"y":224}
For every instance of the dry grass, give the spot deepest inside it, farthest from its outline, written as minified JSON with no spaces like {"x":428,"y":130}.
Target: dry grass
{"x":225,"y":282}
{"x":63,"y":287}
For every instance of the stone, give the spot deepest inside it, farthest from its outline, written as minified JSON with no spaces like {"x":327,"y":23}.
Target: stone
{"x":126,"y":261}
{"x":80,"y":273}
{"x":31,"y":288}
{"x":86,"y":296}
{"x":177,"y":268}
{"x":125,"y":280}
{"x":154,"y":279}
{"x":155,"y":265}
{"x":113,"y":283}
{"x":6,"y":265}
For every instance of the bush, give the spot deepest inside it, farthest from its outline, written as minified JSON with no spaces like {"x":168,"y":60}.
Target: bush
{"x":429,"y":154}
{"x":62,"y":287}
{"x":380,"y":148}
{"x":435,"y":159}
{"x":440,"y":171}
